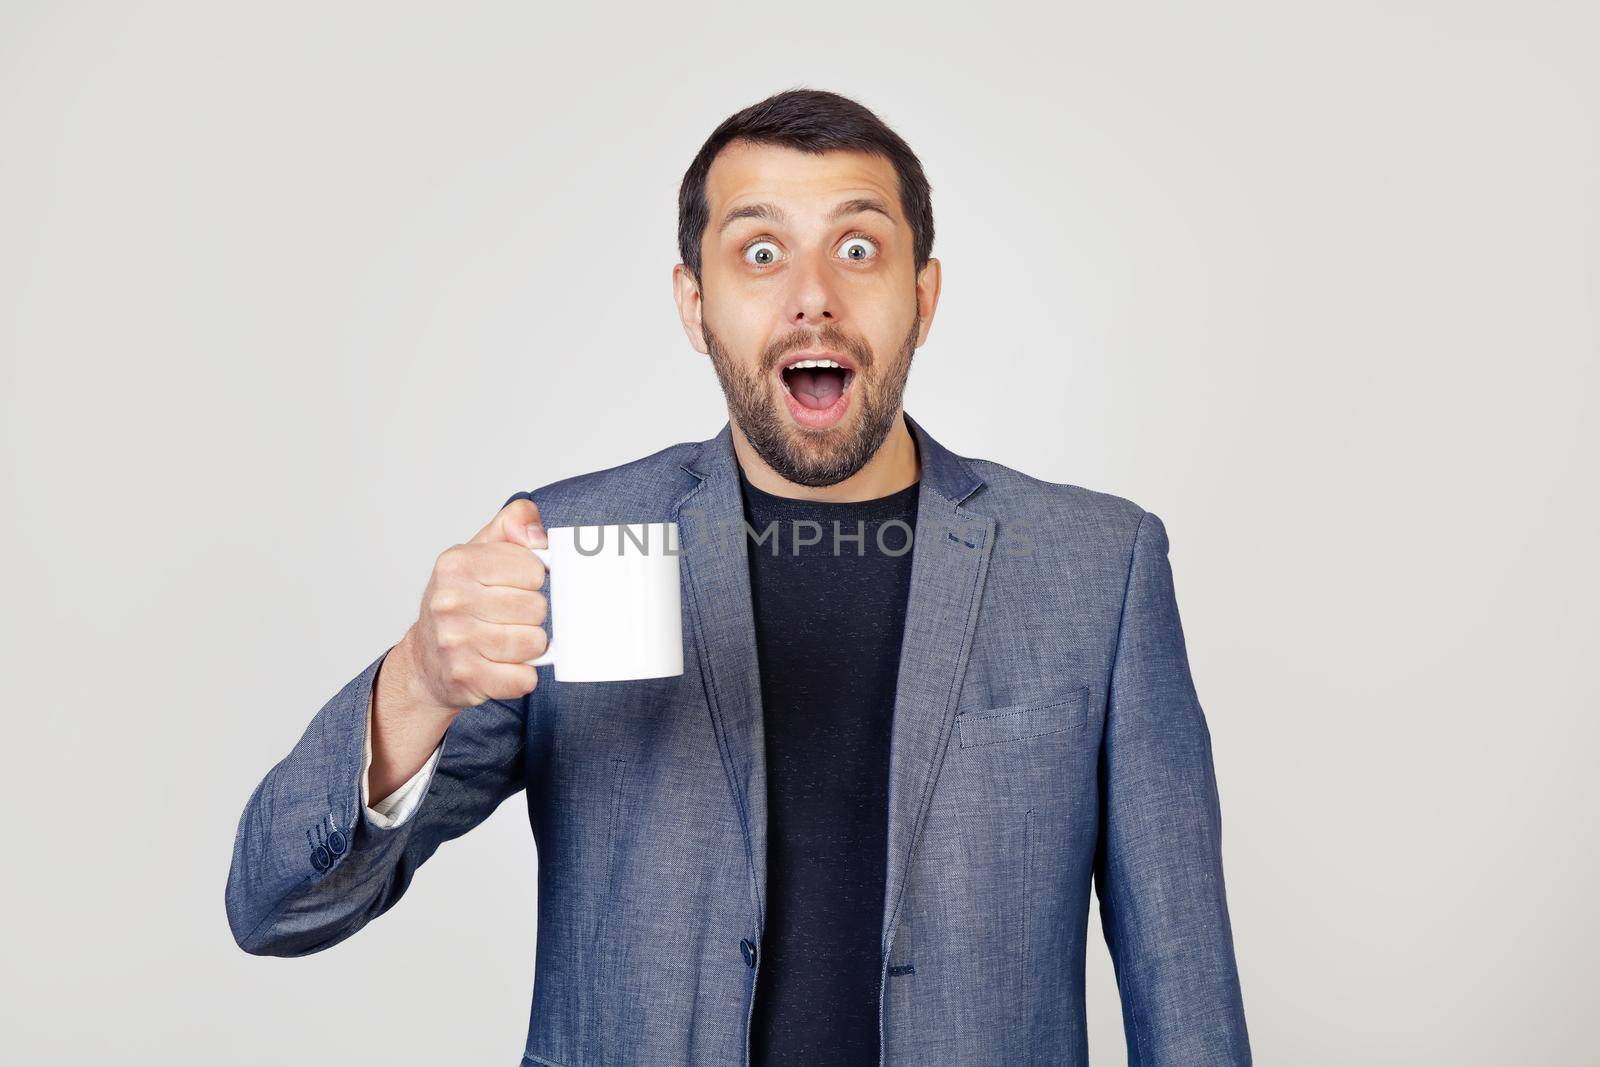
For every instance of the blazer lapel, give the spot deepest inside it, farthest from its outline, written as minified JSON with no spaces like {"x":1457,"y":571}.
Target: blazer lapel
{"x":948,"y":566}
{"x":713,"y":555}
{"x":950,"y":558}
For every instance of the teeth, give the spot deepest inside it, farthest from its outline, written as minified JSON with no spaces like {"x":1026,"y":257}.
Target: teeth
{"x":807,"y":363}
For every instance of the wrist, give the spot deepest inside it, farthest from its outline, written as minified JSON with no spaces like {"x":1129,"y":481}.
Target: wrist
{"x":402,"y":684}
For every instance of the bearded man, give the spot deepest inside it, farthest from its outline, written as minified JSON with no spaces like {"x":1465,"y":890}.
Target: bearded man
{"x":928,"y":701}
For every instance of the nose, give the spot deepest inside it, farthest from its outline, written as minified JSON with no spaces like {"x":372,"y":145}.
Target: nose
{"x":812,"y":298}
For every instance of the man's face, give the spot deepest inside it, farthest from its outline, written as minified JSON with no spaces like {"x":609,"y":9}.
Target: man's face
{"x":808,"y":257}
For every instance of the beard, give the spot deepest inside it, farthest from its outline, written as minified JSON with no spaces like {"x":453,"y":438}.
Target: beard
{"x":815,"y":457}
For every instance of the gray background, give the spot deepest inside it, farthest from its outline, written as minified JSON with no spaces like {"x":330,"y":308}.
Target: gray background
{"x":296,"y":295}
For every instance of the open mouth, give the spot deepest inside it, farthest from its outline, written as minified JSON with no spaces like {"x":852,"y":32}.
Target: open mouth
{"x":818,"y":389}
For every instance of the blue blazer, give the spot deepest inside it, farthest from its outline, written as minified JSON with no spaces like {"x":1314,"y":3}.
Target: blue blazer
{"x":1046,"y":735}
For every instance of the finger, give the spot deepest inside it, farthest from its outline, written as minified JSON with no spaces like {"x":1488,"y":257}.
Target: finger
{"x":498,"y":563}
{"x":507,"y":681}
{"x":508,"y":604}
{"x":508,"y":644}
{"x":512,"y":525}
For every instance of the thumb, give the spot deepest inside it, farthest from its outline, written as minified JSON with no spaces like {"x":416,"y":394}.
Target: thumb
{"x":517,"y":523}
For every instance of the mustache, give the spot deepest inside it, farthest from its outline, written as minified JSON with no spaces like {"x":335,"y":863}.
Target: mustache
{"x":829,"y":337}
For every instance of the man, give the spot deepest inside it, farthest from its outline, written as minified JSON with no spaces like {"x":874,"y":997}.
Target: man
{"x":926,"y":702}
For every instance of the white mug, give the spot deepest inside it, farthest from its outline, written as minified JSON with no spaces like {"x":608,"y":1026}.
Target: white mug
{"x":617,"y":614}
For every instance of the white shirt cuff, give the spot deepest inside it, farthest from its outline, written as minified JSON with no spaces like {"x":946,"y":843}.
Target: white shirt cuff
{"x":394,"y":809}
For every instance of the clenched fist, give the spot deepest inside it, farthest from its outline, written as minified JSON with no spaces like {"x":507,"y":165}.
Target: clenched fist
{"x":482,"y":613}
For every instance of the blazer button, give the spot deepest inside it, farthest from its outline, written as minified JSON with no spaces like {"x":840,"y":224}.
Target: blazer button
{"x":748,"y":947}
{"x":320,"y":858}
{"x":336,"y":843}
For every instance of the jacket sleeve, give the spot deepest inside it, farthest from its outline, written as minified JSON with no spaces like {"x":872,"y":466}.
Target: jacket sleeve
{"x":310,"y":867}
{"x":1158,"y":864}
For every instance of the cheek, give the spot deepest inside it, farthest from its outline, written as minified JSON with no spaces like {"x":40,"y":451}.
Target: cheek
{"x":743,"y":331}
{"x":736,"y":347}
{"x":886,"y":340}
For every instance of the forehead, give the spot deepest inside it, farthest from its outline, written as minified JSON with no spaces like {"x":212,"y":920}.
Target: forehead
{"x":802,"y":183}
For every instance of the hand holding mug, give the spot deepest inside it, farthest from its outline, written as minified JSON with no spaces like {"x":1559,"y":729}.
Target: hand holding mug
{"x":482,"y":613}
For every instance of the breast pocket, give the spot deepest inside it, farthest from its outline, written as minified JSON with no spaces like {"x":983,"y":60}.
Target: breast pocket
{"x":1018,"y":722}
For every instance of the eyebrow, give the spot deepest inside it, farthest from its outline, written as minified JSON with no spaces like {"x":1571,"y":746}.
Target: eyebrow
{"x":773,"y":213}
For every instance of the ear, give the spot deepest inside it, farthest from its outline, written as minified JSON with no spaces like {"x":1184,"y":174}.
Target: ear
{"x":929,"y":280}
{"x":686,"y":291}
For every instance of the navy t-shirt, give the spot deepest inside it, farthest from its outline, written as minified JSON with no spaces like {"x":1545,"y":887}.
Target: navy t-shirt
{"x":829,"y":583}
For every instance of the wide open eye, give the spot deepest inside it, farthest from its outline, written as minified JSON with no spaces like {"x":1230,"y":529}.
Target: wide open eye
{"x":859,"y":248}
{"x":761,"y":253}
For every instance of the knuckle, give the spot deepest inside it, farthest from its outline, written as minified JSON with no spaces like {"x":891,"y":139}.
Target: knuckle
{"x":444,"y":601}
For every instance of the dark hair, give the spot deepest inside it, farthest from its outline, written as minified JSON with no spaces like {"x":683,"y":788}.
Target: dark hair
{"x":811,"y":120}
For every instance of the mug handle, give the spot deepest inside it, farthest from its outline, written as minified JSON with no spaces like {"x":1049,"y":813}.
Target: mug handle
{"x":550,"y":649}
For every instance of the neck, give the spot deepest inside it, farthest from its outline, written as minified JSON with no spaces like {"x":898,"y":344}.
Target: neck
{"x":892,"y":468}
